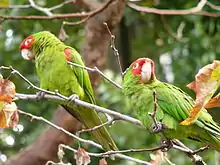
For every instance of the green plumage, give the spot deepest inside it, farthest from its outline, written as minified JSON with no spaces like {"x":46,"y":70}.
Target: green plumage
{"x":173,"y":106}
{"x":55,"y":74}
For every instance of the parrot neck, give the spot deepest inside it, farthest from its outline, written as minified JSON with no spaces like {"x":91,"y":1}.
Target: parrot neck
{"x":43,"y":43}
{"x":133,"y":83}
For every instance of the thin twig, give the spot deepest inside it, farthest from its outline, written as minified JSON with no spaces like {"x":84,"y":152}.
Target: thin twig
{"x":95,"y":69}
{"x":211,"y":5}
{"x":60,"y":5}
{"x":93,"y":13}
{"x":30,"y":6}
{"x":191,"y":154}
{"x":115,"y":50}
{"x":109,"y":122}
{"x":44,"y":10}
{"x":78,"y":138}
{"x":179,"y":34}
{"x":153,"y":115}
{"x":60,"y":129}
{"x":16,"y":7}
{"x":14,"y":71}
{"x":119,"y":155}
{"x":53,"y":17}
{"x":200,"y":149}
{"x":193,"y":10}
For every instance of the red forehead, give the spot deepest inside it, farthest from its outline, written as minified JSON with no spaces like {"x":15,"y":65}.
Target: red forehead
{"x":27,"y":42}
{"x":137,"y":65}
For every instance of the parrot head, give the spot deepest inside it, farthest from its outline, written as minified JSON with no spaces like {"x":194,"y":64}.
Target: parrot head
{"x":36,"y":42}
{"x":26,"y":47}
{"x":143,"y":69}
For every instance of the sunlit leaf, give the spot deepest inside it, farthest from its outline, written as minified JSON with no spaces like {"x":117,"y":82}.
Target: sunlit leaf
{"x":205,"y":85}
{"x":8,"y":114}
{"x":4,"y":2}
{"x":82,"y":158}
{"x":7,"y":90}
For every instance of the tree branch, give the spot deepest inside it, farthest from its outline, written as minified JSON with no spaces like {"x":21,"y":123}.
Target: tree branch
{"x":95,"y":69}
{"x":56,"y":96}
{"x":81,"y":140}
{"x":51,"y":16}
{"x":114,"y":49}
{"x":94,"y":12}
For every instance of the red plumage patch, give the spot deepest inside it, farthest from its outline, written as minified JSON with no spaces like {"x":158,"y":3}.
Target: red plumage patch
{"x":68,"y":52}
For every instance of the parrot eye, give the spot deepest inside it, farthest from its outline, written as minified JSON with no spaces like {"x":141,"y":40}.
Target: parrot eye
{"x":135,"y":66}
{"x":27,"y":42}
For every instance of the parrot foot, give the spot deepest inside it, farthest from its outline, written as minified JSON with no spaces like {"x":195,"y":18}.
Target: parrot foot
{"x":166,"y":144}
{"x":72,"y":98}
{"x":157,"y":127}
{"x":40,"y":95}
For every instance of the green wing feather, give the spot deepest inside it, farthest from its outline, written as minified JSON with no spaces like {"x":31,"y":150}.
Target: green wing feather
{"x":89,"y":117}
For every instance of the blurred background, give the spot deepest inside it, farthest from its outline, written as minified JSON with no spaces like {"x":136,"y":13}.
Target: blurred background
{"x":179,"y":45}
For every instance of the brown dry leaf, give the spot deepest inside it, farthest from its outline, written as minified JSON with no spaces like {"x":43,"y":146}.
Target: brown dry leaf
{"x":206,"y":83}
{"x":214,"y":102}
{"x":62,"y":34}
{"x":103,"y":162}
{"x":82,"y":158}
{"x":158,"y":157}
{"x":7,"y":90}
{"x":8,"y":115}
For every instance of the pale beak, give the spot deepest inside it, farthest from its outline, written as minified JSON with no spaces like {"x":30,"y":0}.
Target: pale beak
{"x":26,"y":54}
{"x":146,"y":72}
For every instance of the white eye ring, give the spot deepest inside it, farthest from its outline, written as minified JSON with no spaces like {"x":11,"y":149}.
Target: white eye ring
{"x":135,"y":66}
{"x":27,"y":42}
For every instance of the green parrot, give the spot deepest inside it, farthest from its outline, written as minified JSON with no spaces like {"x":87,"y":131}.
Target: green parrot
{"x":51,"y":57}
{"x":172,"y":105}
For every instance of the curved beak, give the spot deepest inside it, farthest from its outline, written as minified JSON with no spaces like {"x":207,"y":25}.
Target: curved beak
{"x":26,"y":54}
{"x":146,"y":71}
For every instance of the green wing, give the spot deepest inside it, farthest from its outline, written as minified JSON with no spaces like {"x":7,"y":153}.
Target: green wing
{"x":82,"y":76}
{"x":88,"y":117}
{"x":177,"y":104}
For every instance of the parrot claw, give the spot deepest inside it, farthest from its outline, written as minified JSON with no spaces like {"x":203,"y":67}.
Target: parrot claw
{"x":167,"y":144}
{"x":72,"y":98}
{"x":157,"y":127}
{"x":40,"y":95}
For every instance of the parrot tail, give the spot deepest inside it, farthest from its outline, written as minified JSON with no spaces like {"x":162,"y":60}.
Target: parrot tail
{"x":212,"y":135}
{"x":90,"y":119}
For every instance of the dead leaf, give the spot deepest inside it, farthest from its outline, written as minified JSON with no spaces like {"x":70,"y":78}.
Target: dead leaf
{"x":214,"y":102}
{"x":8,"y":114}
{"x":7,"y":90}
{"x":62,"y":34}
{"x":205,"y":85}
{"x":82,"y":158}
{"x":158,"y":157}
{"x":103,"y":162}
